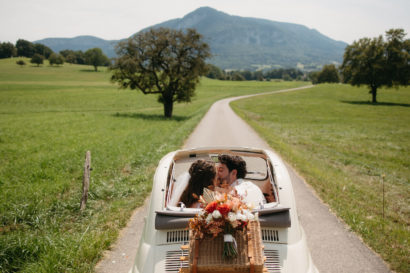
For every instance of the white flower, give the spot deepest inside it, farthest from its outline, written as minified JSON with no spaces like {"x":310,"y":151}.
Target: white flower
{"x":208,"y":218}
{"x":249,"y":215}
{"x":241,"y":217}
{"x":216,"y":214}
{"x":201,"y":213}
{"x":232,"y":217}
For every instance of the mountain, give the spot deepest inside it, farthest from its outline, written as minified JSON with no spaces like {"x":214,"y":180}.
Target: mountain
{"x":239,"y":42}
{"x":80,"y":43}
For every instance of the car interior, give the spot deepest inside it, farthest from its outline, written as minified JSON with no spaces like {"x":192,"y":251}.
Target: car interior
{"x":259,"y":171}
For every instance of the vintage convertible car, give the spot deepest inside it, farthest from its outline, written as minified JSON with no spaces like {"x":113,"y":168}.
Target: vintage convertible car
{"x":166,"y":225}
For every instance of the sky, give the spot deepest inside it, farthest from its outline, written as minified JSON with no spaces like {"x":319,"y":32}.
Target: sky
{"x":342,"y":20}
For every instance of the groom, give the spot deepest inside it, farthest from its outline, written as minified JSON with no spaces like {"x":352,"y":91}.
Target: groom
{"x":231,"y":171}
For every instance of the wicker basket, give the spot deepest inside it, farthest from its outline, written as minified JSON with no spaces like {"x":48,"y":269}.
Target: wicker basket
{"x":205,"y":256}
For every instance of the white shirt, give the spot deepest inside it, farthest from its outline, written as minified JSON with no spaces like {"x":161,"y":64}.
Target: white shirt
{"x":249,"y":192}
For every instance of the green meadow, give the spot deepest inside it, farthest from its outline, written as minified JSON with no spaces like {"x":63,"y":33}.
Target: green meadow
{"x":49,"y":118}
{"x":350,"y":151}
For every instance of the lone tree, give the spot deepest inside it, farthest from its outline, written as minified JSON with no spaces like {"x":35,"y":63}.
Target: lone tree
{"x":56,"y":59}
{"x":376,"y":63}
{"x":328,"y":74}
{"x":162,"y":61}
{"x":95,"y":57}
{"x":37,"y":59}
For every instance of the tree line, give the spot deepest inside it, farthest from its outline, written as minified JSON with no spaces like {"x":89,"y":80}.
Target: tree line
{"x":39,"y":52}
{"x":287,"y":74}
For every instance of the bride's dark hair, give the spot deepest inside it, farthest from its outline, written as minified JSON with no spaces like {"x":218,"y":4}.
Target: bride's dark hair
{"x":202,"y":174}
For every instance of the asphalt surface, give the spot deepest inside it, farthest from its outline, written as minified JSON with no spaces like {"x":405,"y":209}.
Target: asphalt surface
{"x":333,"y":247}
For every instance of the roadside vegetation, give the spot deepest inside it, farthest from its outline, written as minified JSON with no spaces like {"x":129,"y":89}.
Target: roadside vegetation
{"x":50,"y":117}
{"x":347,"y":148}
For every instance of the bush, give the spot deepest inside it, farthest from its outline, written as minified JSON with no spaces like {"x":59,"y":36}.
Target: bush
{"x":21,"y":63}
{"x":56,"y":59}
{"x":37,"y":59}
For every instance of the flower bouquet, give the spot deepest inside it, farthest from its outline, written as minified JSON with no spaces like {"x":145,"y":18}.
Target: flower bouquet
{"x":222,"y":214}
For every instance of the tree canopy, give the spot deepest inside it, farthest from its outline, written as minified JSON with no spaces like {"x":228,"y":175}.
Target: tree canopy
{"x":25,"y":48}
{"x":7,"y":50}
{"x":56,"y":59}
{"x":73,"y":57}
{"x":215,"y":72}
{"x":162,"y":61}
{"x":42,"y":50}
{"x":95,"y":57}
{"x":28,"y":49}
{"x":328,"y":74}
{"x":37,"y":59}
{"x":376,"y":62}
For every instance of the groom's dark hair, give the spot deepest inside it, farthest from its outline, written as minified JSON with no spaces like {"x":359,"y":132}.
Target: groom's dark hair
{"x":234,"y":162}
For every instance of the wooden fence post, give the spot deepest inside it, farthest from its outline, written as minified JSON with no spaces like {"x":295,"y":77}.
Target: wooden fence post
{"x":86,"y":179}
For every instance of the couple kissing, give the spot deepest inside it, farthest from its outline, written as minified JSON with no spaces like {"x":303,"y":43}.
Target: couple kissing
{"x":225,"y":176}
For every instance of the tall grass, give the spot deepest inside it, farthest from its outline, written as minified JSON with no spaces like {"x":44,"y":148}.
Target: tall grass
{"x":49,"y":118}
{"x":347,"y":148}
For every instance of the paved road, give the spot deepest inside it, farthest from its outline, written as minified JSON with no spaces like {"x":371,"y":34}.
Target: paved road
{"x":333,"y":247}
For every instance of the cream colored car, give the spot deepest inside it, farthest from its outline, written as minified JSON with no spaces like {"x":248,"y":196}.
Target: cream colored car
{"x":166,"y":225}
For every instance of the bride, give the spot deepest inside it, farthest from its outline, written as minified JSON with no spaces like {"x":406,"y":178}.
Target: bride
{"x":190,"y":186}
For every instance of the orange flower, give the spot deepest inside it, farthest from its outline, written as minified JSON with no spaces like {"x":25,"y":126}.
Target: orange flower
{"x":236,"y":204}
{"x":211,"y":207}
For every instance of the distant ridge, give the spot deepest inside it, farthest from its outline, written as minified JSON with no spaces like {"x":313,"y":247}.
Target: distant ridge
{"x":238,"y":42}
{"x":80,"y":43}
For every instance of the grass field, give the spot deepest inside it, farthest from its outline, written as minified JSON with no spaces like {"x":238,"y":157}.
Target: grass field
{"x":346,"y":147}
{"x":49,"y":118}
